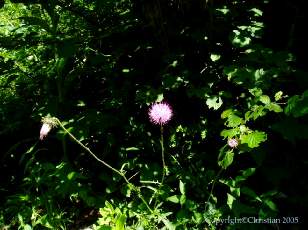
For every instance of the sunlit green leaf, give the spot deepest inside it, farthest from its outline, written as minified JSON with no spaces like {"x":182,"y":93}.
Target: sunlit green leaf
{"x":214,"y":102}
{"x":265,"y":99}
{"x":234,"y":120}
{"x":215,"y":57}
{"x":229,"y":133}
{"x":253,"y":139}
{"x":230,"y":200}
{"x":226,"y":160}
{"x":182,"y":187}
{"x":174,"y":199}
{"x":120,"y":222}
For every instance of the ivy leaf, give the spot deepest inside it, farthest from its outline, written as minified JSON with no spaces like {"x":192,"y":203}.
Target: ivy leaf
{"x":253,"y":139}
{"x":214,"y":102}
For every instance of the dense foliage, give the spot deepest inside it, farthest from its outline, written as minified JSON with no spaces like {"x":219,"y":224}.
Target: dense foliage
{"x":234,"y":74}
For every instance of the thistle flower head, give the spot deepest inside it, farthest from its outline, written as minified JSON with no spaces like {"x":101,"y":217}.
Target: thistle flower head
{"x":160,"y":113}
{"x":48,"y":124}
{"x":233,"y":143}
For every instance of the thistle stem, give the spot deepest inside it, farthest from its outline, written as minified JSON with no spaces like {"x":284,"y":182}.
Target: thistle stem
{"x":106,"y":164}
{"x":162,"y":152}
{"x":91,"y":153}
{"x":213,"y":185}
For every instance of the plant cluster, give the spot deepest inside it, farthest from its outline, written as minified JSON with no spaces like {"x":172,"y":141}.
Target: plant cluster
{"x":159,"y":114}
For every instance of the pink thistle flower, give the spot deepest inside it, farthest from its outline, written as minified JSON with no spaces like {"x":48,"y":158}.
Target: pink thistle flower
{"x":160,"y":113}
{"x":233,"y":143}
{"x":45,"y":130}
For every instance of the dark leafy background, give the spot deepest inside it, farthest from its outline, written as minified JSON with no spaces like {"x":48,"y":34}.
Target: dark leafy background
{"x":229,"y":69}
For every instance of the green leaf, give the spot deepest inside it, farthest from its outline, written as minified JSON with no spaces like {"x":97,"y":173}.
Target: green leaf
{"x":229,"y":133}
{"x":132,"y":149}
{"x":226,"y":113}
{"x":239,"y":209}
{"x":235,"y":191}
{"x":35,"y":21}
{"x":257,"y":12}
{"x":256,"y":92}
{"x":240,"y":39}
{"x":160,"y":97}
{"x":168,"y":224}
{"x":182,"y":199}
{"x":278,"y":95}
{"x":182,"y":187}
{"x":214,"y":102}
{"x":223,"y":10}
{"x":227,"y":159}
{"x":256,"y":111}
{"x":248,"y":172}
{"x":265,"y":99}
{"x":298,"y":105}
{"x":215,"y":57}
{"x":27,"y":227}
{"x":230,"y":200}
{"x":174,"y":199}
{"x":291,"y":129}
{"x":71,"y":175}
{"x":120,"y":222}
{"x":271,"y":205}
{"x":253,"y":139}
{"x":274,"y":107}
{"x":249,"y":192}
{"x":203,"y":134}
{"x":234,"y":120}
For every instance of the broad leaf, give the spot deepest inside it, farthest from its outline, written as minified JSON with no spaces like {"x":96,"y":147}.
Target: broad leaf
{"x":214,"y":102}
{"x":253,"y":139}
{"x":227,"y":159}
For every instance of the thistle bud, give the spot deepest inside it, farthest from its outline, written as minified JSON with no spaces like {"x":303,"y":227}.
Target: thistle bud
{"x":233,"y":143}
{"x":48,"y":124}
{"x":45,"y":130}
